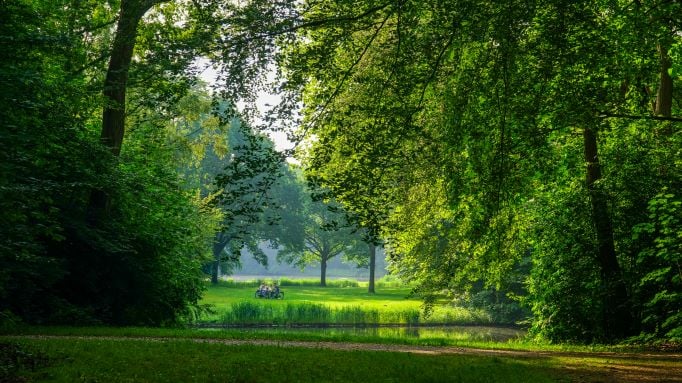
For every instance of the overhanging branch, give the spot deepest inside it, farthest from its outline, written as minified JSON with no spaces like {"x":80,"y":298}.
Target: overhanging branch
{"x":636,"y":117}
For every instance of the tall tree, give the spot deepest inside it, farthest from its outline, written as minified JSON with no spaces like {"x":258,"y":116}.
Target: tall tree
{"x":326,"y":234}
{"x":460,"y":110}
{"x":251,"y":169}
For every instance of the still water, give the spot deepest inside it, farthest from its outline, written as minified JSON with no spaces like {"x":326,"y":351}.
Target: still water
{"x":459,"y":333}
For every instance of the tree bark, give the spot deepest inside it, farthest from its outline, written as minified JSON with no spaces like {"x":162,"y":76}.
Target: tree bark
{"x":372,"y":266}
{"x":114,"y":91}
{"x":323,"y":271}
{"x":113,"y":115}
{"x":616,"y":317}
{"x":218,"y":246}
{"x":215,"y":272}
{"x":664,"y":96}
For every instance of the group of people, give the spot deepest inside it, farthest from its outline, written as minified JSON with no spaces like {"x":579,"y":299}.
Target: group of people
{"x":268,"y":291}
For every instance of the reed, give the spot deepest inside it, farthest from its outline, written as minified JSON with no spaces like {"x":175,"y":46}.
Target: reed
{"x":387,"y":281}
{"x":306,"y":282}
{"x":306,"y":313}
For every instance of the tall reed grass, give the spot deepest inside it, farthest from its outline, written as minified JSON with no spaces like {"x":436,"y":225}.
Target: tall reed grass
{"x":387,"y":281}
{"x":305,"y":313}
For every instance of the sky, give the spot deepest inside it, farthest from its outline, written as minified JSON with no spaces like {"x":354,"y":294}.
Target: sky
{"x":209,"y":75}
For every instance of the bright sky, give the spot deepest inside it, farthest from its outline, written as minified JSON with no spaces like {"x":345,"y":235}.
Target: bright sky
{"x":209,"y":75}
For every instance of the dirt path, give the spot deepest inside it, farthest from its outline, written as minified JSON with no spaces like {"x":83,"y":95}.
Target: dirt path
{"x":608,"y":367}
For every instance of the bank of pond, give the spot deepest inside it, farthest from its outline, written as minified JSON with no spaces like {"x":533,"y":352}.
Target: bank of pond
{"x":342,"y":304}
{"x":432,"y":335}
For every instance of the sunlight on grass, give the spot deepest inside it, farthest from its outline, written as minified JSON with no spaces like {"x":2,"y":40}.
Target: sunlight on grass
{"x":107,"y":360}
{"x":236,"y":305}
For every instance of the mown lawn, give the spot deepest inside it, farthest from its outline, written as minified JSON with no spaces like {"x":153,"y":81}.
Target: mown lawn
{"x":390,"y":297}
{"x":126,"y":360}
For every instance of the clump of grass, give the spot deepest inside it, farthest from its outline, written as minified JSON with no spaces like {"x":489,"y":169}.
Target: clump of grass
{"x":306,"y":313}
{"x":16,"y":360}
{"x":236,"y":284}
{"x":306,"y":282}
{"x":311,"y":282}
{"x":459,"y":315}
{"x":389,"y":281}
{"x":250,"y":313}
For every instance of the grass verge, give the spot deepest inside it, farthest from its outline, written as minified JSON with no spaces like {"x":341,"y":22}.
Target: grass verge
{"x":309,"y":335}
{"x":107,"y":360}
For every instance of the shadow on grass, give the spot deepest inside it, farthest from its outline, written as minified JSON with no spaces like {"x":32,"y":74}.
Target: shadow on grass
{"x":184,"y":361}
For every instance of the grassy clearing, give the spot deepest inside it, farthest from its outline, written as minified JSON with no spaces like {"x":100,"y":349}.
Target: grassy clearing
{"x":235,"y":304}
{"x":107,"y":360}
{"x":120,"y":359}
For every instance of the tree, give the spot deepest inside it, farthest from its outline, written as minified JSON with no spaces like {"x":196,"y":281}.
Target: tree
{"x":246,"y":185}
{"x":325,"y":235}
{"x":367,"y":259}
{"x":141,"y":265}
{"x":467,"y":112}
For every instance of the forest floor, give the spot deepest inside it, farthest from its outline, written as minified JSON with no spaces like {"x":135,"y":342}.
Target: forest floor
{"x":558,"y":365}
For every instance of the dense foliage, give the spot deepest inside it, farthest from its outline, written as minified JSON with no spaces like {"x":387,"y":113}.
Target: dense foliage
{"x":523,"y":157}
{"x":141,"y":263}
{"x":526,"y":149}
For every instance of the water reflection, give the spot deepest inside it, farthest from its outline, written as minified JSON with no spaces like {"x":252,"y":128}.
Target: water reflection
{"x":460,"y":333}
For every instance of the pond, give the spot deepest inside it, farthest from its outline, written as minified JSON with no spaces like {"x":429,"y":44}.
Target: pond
{"x":455,"y":333}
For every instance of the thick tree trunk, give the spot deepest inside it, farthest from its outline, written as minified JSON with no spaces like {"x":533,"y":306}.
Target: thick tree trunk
{"x":372,"y":266}
{"x":616,"y":315}
{"x":113,"y":115}
{"x":114,"y":91}
{"x":323,"y":271}
{"x":664,"y":96}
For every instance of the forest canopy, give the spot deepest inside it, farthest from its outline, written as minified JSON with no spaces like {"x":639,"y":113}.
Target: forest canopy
{"x":521,"y":156}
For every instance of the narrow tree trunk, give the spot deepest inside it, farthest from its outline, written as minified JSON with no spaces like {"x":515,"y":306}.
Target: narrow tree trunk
{"x":616,"y":315}
{"x":372,"y":266}
{"x":218,"y":246}
{"x":323,"y":271}
{"x":664,"y":96}
{"x":215,"y":272}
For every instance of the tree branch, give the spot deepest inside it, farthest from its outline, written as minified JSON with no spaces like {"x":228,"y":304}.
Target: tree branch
{"x":325,"y":22}
{"x":636,"y":117}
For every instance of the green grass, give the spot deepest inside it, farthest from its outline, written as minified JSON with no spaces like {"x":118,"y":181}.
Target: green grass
{"x":284,"y":334}
{"x":235,"y":304}
{"x":107,"y":360}
{"x":386,"y":281}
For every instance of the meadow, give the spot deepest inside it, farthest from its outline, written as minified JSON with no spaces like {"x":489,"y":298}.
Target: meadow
{"x":364,"y":350}
{"x":134,"y":360}
{"x":106,"y":354}
{"x":342,"y":302}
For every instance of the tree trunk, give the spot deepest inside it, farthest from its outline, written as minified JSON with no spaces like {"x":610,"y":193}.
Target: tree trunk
{"x":323,"y":271}
{"x":114,"y":91}
{"x":113,"y":115}
{"x":218,"y":246}
{"x":664,"y":96}
{"x":372,"y":266}
{"x":215,"y":272}
{"x":616,"y":317}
